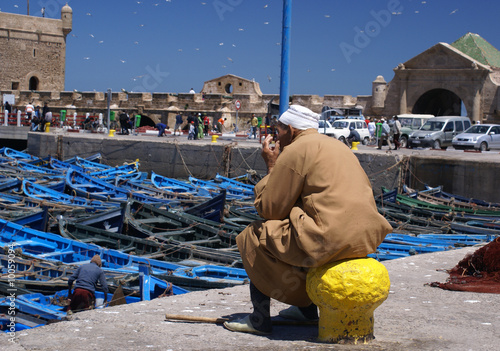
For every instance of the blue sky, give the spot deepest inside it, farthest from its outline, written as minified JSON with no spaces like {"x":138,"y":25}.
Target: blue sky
{"x":337,"y":46}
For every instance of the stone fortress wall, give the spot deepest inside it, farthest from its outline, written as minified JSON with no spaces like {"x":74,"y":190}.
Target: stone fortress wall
{"x":33,"y":51}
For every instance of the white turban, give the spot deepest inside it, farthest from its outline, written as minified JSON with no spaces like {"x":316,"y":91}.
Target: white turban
{"x":300,"y":117}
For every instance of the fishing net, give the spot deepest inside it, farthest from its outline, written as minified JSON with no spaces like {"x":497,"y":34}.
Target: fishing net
{"x":476,"y":272}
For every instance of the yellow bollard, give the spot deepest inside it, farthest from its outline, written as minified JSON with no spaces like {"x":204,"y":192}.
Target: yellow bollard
{"x":214,"y":138}
{"x":112,"y":132}
{"x":47,"y":127}
{"x":347,"y":292}
{"x":354,"y":145}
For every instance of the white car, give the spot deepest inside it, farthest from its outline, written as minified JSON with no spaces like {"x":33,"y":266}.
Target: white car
{"x":342,"y":129}
{"x":325,"y":127}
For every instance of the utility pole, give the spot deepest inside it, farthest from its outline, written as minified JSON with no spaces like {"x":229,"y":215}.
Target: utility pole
{"x":285,"y":56}
{"x":28,"y":7}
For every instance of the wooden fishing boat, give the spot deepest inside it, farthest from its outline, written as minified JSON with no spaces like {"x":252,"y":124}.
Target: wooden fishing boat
{"x":168,"y":249}
{"x":110,"y":174}
{"x":178,"y":186}
{"x":227,"y":233}
{"x":434,"y":208}
{"x":89,"y":165}
{"x":44,"y":245}
{"x":39,"y":192}
{"x":232,"y":192}
{"x":17,"y":155}
{"x":438,"y":191}
{"x":47,"y":277}
{"x":94,"y":158}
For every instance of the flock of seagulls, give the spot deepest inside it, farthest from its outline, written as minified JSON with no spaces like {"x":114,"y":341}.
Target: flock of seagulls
{"x":180,"y":50}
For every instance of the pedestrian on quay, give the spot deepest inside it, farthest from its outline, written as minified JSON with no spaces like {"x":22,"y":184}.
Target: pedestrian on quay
{"x":161,"y":129}
{"x":178,"y":124}
{"x":396,"y":127}
{"x":124,"y":122}
{"x":312,"y":215}
{"x":206,"y":125}
{"x":192,"y":131}
{"x":29,"y":110}
{"x":200,"y":128}
{"x":86,"y":276}
{"x":254,"y":122}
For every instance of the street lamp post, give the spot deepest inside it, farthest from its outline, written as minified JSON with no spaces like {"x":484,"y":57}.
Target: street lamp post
{"x":109,"y":111}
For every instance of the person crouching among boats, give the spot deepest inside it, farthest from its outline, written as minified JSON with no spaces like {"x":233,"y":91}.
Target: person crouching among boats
{"x":87,"y":276}
{"x":318,"y":207}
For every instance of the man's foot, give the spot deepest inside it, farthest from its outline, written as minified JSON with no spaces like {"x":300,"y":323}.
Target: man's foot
{"x":294,"y":313}
{"x":379,"y":148}
{"x":244,"y":326}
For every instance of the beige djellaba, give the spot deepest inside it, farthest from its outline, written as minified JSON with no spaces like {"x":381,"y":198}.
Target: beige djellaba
{"x":318,"y":207}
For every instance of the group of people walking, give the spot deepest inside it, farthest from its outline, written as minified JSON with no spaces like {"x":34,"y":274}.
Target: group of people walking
{"x":382,"y":131}
{"x":38,"y":119}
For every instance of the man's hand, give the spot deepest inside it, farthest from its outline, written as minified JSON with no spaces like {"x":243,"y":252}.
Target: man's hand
{"x":270,"y":154}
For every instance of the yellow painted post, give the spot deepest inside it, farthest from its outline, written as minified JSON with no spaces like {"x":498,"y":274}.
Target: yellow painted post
{"x":111,"y":133}
{"x":214,"y":138}
{"x":347,"y":292}
{"x":354,"y":145}
{"x":47,"y":127}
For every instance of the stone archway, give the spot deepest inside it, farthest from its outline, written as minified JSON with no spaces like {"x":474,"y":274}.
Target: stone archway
{"x":438,"y":102}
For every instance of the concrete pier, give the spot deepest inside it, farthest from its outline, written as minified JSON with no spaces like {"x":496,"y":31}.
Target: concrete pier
{"x":414,"y":317}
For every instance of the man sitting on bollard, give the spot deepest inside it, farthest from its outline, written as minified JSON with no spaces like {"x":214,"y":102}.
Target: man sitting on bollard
{"x":318,"y":207}
{"x":353,"y":136}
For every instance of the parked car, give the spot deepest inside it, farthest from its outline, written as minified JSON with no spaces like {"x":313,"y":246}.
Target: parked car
{"x":409,"y":124}
{"x":480,"y":137}
{"x":342,"y":129}
{"x":438,"y":132}
{"x":325,"y":127}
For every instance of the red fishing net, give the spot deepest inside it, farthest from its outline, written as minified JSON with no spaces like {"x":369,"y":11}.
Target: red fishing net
{"x":477,"y":272}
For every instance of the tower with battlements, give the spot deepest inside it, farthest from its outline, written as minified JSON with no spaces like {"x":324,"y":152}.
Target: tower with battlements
{"x":33,"y":51}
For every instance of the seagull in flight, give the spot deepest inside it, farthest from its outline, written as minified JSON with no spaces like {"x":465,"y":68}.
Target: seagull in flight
{"x":122,"y":61}
{"x":454,"y":11}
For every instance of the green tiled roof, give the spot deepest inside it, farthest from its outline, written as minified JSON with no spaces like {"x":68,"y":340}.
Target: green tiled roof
{"x":479,"y":49}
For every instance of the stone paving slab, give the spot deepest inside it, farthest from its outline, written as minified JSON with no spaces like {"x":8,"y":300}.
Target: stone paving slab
{"x":414,"y":317}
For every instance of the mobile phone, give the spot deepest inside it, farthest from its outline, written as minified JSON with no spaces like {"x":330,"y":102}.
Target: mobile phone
{"x":275,"y":135}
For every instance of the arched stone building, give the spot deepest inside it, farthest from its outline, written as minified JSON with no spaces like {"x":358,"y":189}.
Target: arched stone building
{"x":441,"y":79}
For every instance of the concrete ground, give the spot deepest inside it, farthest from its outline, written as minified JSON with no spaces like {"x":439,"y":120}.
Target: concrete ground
{"x":414,"y":317}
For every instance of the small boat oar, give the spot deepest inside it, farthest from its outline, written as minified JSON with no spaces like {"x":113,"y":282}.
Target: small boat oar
{"x":180,"y":317}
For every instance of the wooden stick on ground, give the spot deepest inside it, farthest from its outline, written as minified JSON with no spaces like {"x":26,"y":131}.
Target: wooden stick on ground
{"x":185,"y":318}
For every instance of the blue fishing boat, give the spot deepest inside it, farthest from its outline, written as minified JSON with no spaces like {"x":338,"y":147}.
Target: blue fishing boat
{"x":91,"y":166}
{"x":17,"y":155}
{"x":39,"y":192}
{"x":226,"y":182}
{"x":177,"y":186}
{"x":37,"y":169}
{"x":94,"y":158}
{"x":111,"y":173}
{"x":84,"y":185}
{"x":64,"y":166}
{"x":231,"y":192}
